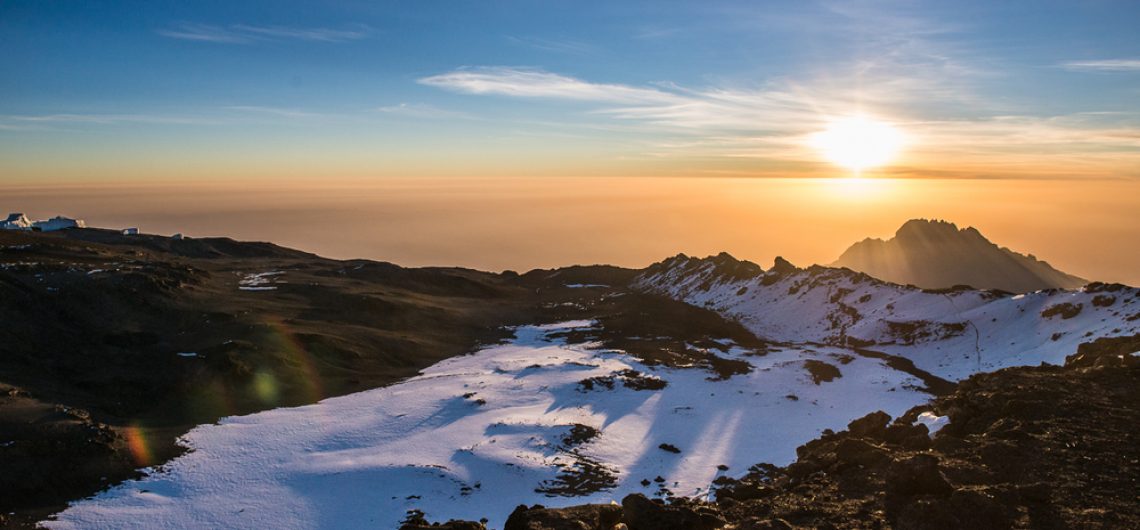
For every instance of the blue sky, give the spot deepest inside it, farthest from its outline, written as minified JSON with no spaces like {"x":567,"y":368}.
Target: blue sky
{"x":91,"y":89}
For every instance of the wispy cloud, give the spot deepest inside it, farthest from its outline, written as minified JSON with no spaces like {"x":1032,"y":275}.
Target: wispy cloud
{"x":204,"y":33}
{"x":423,"y":111}
{"x":275,"y":111}
{"x":228,"y":115}
{"x":553,"y":45}
{"x":906,"y":69}
{"x":245,"y":33}
{"x":103,"y":119}
{"x":314,"y":34}
{"x":533,"y":83}
{"x":774,"y":122}
{"x":669,"y":105}
{"x":1104,"y":65}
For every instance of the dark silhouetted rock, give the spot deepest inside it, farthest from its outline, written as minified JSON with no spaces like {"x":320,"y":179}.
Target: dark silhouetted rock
{"x":938,"y":255}
{"x":744,"y":491}
{"x":873,"y":425}
{"x":964,"y":509}
{"x":644,"y":514}
{"x":1106,"y":352}
{"x":585,"y":517}
{"x":783,"y":266}
{"x":917,"y":475}
{"x":859,"y":452}
{"x":416,"y":521}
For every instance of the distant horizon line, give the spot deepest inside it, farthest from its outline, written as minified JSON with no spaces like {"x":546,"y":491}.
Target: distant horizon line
{"x":98,"y":182}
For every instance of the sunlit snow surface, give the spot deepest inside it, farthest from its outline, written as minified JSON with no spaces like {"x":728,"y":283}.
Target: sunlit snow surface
{"x":821,"y":304}
{"x":363,"y":460}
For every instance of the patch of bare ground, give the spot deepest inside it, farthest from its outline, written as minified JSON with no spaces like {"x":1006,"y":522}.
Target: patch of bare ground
{"x":578,"y":475}
{"x":662,"y":332}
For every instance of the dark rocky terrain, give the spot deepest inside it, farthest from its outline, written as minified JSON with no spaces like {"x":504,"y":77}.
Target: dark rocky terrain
{"x":113,"y":346}
{"x":1046,"y":447}
{"x":937,"y":255}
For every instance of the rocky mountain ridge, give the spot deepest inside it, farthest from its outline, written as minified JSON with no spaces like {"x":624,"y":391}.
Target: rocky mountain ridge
{"x":937,"y":254}
{"x":951,"y":333}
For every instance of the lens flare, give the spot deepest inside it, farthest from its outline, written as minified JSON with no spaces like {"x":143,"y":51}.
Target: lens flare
{"x":265,"y":387}
{"x":268,"y":387}
{"x":138,"y":445}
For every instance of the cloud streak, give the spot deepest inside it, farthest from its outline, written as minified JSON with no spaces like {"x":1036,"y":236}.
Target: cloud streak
{"x":276,"y":111}
{"x":679,"y":108}
{"x":102,"y":119}
{"x":533,"y":83}
{"x":422,"y":111}
{"x":246,"y":34}
{"x":1104,"y":65}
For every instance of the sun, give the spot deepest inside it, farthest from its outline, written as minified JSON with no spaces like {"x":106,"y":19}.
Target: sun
{"x":859,"y":143}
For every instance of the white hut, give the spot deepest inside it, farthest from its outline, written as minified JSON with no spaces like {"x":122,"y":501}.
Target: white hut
{"x":58,"y":222}
{"x":16,"y":221}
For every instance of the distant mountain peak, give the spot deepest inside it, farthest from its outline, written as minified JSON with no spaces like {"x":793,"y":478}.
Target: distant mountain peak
{"x":923,"y":224}
{"x":934,"y":229}
{"x":783,"y":266}
{"x":935,"y":253}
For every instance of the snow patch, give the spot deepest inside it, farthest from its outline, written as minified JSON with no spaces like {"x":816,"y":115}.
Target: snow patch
{"x":951,"y":334}
{"x":932,"y":422}
{"x":475,"y":436}
{"x":261,"y":281}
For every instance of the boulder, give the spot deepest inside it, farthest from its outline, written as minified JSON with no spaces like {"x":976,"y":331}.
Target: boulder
{"x":782,"y":266}
{"x":585,"y":517}
{"x":450,"y":525}
{"x":917,"y":475}
{"x":644,"y":514}
{"x":859,"y":452}
{"x":744,"y":491}
{"x":873,"y":425}
{"x":963,"y":509}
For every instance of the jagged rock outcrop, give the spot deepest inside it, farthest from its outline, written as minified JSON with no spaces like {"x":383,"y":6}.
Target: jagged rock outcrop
{"x":937,"y":255}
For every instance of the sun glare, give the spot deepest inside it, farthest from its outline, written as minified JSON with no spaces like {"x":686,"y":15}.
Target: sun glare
{"x":858,"y":143}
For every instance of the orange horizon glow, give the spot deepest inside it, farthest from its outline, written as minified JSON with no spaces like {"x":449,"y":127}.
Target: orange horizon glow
{"x":1079,"y":226}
